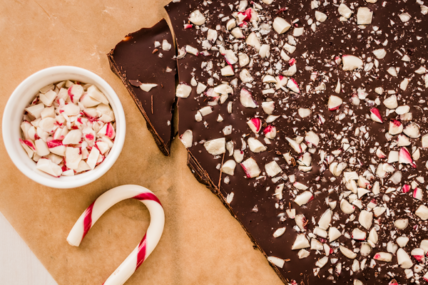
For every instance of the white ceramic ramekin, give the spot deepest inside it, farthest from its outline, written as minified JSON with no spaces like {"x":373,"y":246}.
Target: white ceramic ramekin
{"x":23,"y":95}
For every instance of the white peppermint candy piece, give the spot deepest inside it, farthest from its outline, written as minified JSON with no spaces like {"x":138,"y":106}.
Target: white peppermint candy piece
{"x":292,"y":69}
{"x":197,"y":18}
{"x":365,"y":249}
{"x":303,"y":253}
{"x":41,"y":147}
{"x":270,"y":132}
{"x":375,"y":115}
{"x":320,"y":16}
{"x":183,"y":90}
{"x":334,"y":103}
{"x":303,"y":198}
{"x":49,"y":167}
{"x":422,"y":212}
{"x":255,"y":124}
{"x":279,"y":232}
{"x":320,"y":232}
{"x":333,"y":234}
{"x":293,"y":86}
{"x":351,"y":62}
{"x":401,"y":224}
{"x":28,"y":146}
{"x":238,"y":155}
{"x":404,"y":259}
{"x":243,"y":59}
{"x":373,"y":237}
{"x":300,"y":242}
{"x":268,"y":107}
{"x":107,"y":131}
{"x":278,"y":194}
{"x":424,"y":246}
{"x":380,"y":53}
{"x":255,"y":145}
{"x":312,"y":139}
{"x":264,"y":51}
{"x":402,"y":140}
{"x":97,"y":95}
{"x":402,"y":241}
{"x":251,"y":168}
{"x":364,"y":16}
{"x":346,"y":207}
{"x":345,"y":11}
{"x":216,"y":146}
{"x":347,"y":252}
{"x":294,"y":145}
{"x":35,"y":110}
{"x":276,"y":261}
{"x":418,"y":194}
{"x":405,"y":157}
{"x":253,"y":41}
{"x":229,"y":167}
{"x":280,"y":25}
{"x":272,"y":168}
{"x":245,"y":76}
{"x":56,"y":147}
{"x":358,"y":234}
{"x":366,"y":219}
{"x":391,"y":102}
{"x":247,"y":99}
{"x":383,"y":256}
{"x":93,"y":157}
{"x":418,"y":254}
{"x":304,"y":112}
{"x":404,"y":17}
{"x":187,"y":138}
{"x":325,"y":219}
{"x":395,"y":127}
{"x":49,"y":97}
{"x":424,"y":141}
{"x":72,"y":157}
{"x":72,"y":137}
{"x":281,"y":81}
{"x":412,"y":130}
{"x":316,"y":245}
{"x":301,"y":222}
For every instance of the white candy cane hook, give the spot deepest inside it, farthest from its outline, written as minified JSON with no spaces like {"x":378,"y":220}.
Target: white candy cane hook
{"x":147,"y":244}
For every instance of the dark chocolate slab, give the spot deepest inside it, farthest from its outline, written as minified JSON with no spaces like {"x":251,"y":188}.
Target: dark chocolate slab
{"x":254,"y":203}
{"x":136,"y":60}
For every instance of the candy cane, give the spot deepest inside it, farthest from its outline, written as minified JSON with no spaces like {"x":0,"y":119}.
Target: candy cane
{"x":147,"y":244}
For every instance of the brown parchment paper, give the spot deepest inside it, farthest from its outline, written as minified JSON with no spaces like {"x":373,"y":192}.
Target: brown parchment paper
{"x":201,"y":244}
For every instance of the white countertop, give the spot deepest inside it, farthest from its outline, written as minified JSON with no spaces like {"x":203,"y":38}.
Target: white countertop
{"x":18,"y":264}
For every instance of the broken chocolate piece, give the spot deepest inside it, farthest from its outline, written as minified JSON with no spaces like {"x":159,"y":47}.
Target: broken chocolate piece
{"x":341,"y":143}
{"x":135,"y":64}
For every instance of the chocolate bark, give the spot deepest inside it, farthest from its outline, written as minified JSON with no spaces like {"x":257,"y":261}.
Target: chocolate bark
{"x":141,"y":58}
{"x":349,"y":133}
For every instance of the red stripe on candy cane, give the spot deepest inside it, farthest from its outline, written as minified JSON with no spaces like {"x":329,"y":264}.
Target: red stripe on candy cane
{"x":87,"y":222}
{"x":141,"y":256}
{"x":147,"y":196}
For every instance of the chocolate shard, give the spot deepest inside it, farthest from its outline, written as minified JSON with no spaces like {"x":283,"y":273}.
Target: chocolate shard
{"x":325,"y":110}
{"x":144,"y":61}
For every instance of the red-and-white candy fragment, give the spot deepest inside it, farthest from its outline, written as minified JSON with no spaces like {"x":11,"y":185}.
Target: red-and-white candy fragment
{"x":251,"y":168}
{"x":247,"y":99}
{"x":334,"y":102}
{"x":383,"y":256}
{"x":375,"y":115}
{"x":303,"y":198}
{"x":255,"y":124}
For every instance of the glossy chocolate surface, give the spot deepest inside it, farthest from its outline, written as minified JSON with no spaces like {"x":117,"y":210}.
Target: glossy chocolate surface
{"x":254,"y":203}
{"x":137,"y":60}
